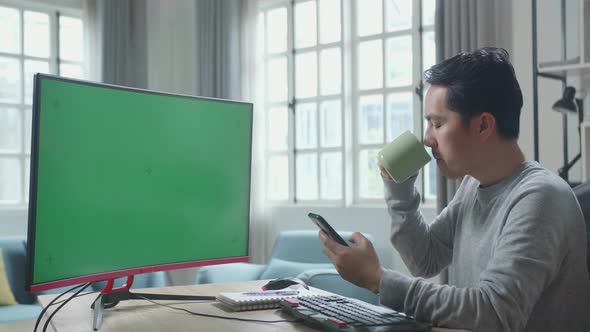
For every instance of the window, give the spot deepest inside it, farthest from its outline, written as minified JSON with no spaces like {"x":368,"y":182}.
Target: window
{"x":34,"y":40}
{"x":339,"y":83}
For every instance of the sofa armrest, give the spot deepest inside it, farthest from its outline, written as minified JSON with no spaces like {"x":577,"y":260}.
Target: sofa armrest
{"x":331,"y":281}
{"x":229,"y":272}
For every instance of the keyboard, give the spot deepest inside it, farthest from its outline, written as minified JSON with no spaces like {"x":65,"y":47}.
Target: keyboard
{"x":338,"y":313}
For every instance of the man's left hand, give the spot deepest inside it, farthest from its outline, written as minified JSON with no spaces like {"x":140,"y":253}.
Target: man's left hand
{"x":358,"y":264}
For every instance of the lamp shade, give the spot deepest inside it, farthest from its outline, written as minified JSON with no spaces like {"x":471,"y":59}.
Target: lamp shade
{"x":566,"y":103}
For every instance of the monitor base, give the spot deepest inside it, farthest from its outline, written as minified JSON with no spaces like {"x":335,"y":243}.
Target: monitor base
{"x":110,"y":297}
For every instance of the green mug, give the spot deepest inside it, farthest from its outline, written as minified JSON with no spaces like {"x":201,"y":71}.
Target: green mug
{"x":403,"y":157}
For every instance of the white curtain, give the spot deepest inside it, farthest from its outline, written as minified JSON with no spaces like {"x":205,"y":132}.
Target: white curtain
{"x":252,"y":76}
{"x":117,"y":41}
{"x":463,"y":26}
{"x":218,"y":48}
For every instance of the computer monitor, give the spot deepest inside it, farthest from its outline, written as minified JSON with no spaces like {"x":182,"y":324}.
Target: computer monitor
{"x":127,"y":181}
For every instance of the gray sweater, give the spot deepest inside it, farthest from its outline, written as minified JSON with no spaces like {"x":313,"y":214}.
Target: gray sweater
{"x":516,"y":254}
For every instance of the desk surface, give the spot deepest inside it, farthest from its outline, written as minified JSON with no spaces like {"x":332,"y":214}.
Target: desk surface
{"x":139,"y":315}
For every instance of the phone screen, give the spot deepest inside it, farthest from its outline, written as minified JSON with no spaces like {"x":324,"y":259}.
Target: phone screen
{"x":324,"y":226}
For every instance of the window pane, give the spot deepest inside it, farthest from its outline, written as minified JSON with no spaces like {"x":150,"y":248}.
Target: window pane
{"x":330,"y":24}
{"x":10,"y":81}
{"x":36,"y":34}
{"x":331,"y":175}
{"x":277,"y":30}
{"x":27,"y":177}
{"x":428,"y":50}
{"x":370,"y":183}
{"x":306,"y":75}
{"x":10,"y":129}
{"x":305,"y":24}
{"x":331,"y":76}
{"x":399,"y":114}
{"x":28,"y":126}
{"x":71,"y":70}
{"x":10,"y":180}
{"x":278,"y":178}
{"x":370,"y":17}
{"x":71,"y":42}
{"x":370,"y":65}
{"x":428,"y":10}
{"x":31,"y":68}
{"x":277,"y":134}
{"x":10,"y":30}
{"x":330,"y":123}
{"x":277,"y":79}
{"x":307,"y":176}
{"x":398,"y":14}
{"x":371,"y":119}
{"x":399,"y":61}
{"x":306,"y":126}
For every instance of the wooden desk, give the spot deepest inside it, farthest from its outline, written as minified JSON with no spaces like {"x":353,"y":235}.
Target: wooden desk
{"x":18,"y":326}
{"x":138,"y":315}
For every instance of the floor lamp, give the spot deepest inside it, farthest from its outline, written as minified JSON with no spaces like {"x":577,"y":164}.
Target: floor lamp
{"x":569,"y":104}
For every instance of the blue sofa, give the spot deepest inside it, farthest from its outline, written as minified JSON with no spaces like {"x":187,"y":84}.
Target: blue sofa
{"x":14,"y":254}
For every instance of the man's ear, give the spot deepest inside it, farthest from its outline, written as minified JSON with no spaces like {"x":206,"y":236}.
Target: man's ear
{"x":486,"y":125}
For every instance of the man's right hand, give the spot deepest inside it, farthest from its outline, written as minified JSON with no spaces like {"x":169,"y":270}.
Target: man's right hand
{"x":384,"y":173}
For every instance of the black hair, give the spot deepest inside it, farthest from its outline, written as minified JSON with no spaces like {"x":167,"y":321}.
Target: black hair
{"x":481,"y":81}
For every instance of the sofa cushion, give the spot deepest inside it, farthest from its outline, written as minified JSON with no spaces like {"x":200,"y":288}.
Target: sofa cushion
{"x":302,"y":246}
{"x":278,"y":268}
{"x":13,"y":250}
{"x":6,"y":296}
{"x":19,"y":311}
{"x":228,"y":273}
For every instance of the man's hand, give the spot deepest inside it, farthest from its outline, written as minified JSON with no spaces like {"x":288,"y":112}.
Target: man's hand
{"x":358,"y":264}
{"x":384,"y":173}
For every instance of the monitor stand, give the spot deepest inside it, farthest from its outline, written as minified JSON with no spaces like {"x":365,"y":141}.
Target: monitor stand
{"x":110,"y":297}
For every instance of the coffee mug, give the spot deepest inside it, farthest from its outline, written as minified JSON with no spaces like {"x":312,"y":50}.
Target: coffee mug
{"x":403,"y":157}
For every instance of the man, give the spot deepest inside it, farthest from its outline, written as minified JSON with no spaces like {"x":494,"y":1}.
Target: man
{"x":513,"y":237}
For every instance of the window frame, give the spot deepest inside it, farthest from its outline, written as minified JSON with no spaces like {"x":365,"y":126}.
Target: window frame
{"x":317,"y":99}
{"x":349,"y":97}
{"x":416,"y":37}
{"x":24,"y":156}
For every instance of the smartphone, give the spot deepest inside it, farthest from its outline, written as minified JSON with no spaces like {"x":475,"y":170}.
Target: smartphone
{"x":324,"y":226}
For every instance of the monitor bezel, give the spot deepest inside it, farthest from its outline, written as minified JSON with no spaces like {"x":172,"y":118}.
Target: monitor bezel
{"x":31,"y":234}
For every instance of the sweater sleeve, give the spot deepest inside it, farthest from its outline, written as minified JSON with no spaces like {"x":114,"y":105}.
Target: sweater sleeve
{"x":525,"y":260}
{"x":425,"y":249}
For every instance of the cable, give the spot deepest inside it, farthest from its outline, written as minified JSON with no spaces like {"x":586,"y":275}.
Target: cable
{"x":64,"y":303}
{"x":222,"y":317}
{"x":77,"y":296}
{"x":52,"y":303}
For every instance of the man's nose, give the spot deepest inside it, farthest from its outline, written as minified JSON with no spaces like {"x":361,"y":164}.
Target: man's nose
{"x":429,"y":140}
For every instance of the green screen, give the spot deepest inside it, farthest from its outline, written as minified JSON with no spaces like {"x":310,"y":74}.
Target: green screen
{"x":127,"y":178}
